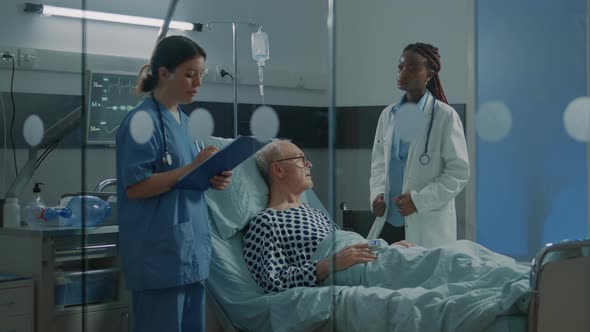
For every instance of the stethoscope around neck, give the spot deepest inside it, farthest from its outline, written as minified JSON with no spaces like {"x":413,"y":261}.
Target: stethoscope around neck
{"x":424,"y":157}
{"x":166,"y":157}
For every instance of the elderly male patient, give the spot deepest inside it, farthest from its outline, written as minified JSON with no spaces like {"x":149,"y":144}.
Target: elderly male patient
{"x":281,"y":239}
{"x":290,"y":244}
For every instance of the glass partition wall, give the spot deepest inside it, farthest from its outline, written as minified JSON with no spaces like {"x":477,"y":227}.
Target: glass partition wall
{"x":45,"y":262}
{"x":275,"y":241}
{"x":517,"y":118}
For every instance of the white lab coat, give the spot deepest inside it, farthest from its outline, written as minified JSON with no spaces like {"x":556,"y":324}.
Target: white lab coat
{"x":433,"y":187}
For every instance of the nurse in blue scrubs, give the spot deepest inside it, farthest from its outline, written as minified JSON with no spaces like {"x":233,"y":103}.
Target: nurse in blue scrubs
{"x":164,"y":232}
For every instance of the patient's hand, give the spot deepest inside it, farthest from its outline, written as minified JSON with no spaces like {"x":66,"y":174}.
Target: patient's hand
{"x":220,"y":182}
{"x":345,"y":258}
{"x":403,"y":244}
{"x":352,"y":255}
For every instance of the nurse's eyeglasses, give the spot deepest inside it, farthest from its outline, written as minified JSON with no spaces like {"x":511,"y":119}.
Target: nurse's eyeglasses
{"x":201,"y":73}
{"x":305,"y":163}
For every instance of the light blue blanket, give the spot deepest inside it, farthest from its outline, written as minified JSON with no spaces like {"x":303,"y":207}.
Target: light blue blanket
{"x":457,"y":287}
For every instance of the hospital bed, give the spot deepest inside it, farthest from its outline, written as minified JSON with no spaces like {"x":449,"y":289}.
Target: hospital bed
{"x":559,"y":278}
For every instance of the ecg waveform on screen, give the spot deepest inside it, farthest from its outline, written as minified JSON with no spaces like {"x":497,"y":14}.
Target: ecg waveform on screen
{"x":119,"y":86}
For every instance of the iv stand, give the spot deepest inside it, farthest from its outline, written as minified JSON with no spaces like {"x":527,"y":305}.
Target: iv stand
{"x":234,"y":26}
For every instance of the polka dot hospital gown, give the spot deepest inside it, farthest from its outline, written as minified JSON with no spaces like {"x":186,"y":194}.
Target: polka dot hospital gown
{"x":278,"y":246}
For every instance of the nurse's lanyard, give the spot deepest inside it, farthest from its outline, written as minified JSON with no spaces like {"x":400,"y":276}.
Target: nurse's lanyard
{"x":424,"y":157}
{"x":166,"y":157}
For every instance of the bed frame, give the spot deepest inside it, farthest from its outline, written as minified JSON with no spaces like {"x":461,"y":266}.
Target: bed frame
{"x":560,"y":283}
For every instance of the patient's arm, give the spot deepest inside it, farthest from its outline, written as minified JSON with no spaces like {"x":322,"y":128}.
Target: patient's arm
{"x":345,"y":258}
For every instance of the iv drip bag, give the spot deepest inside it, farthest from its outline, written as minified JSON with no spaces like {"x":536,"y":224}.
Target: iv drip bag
{"x":260,"y":47}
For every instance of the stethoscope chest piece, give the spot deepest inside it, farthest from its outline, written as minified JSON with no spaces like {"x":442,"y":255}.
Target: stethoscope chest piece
{"x":167,"y":159}
{"x":424,"y":159}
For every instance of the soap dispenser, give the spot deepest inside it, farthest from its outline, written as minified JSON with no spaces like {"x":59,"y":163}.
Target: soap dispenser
{"x":37,"y":213}
{"x":34,"y":210}
{"x":37,"y":192}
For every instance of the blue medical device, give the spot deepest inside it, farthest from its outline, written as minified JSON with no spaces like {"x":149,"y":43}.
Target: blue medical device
{"x":375,"y":245}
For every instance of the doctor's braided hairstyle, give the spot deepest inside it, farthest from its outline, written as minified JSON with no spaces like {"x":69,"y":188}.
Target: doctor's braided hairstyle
{"x":169,"y":53}
{"x":433,"y":59}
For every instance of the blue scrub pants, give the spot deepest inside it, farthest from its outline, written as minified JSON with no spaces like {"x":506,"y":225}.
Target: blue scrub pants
{"x":176,"y":309}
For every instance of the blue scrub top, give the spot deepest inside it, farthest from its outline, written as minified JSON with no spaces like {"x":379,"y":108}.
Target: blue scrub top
{"x":164,"y":240}
{"x":397,"y":165}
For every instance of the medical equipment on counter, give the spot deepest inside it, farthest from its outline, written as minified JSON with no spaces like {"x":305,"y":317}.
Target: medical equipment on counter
{"x":94,"y":209}
{"x":37,"y":213}
{"x":260,"y":53}
{"x":34,"y":211}
{"x":11,"y":212}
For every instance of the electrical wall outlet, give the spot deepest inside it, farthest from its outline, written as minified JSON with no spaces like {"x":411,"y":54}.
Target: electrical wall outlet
{"x":27,"y":57}
{"x":23,"y":57}
{"x":219,"y":69}
{"x":6,"y":62}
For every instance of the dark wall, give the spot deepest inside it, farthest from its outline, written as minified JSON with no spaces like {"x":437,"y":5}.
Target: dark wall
{"x":305,"y":126}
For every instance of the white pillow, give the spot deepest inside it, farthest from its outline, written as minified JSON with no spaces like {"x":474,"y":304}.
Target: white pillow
{"x":247,"y":195}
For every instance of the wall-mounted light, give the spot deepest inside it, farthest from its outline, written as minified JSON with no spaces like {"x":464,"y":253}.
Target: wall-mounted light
{"x":108,"y":17}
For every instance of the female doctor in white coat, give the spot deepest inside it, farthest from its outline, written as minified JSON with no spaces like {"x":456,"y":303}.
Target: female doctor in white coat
{"x":413,"y":185}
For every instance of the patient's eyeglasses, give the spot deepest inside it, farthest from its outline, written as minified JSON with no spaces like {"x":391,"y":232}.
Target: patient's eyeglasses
{"x":300,"y":161}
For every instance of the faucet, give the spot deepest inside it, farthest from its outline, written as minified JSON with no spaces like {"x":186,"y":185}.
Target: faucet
{"x":104,"y":183}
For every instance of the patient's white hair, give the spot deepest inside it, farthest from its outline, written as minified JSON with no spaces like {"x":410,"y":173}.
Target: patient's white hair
{"x":267,"y":155}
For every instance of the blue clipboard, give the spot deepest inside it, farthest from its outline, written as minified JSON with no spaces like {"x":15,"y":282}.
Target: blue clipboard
{"x":226,"y":159}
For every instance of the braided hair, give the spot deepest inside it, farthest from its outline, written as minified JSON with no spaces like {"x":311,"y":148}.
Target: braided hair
{"x":433,"y":59}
